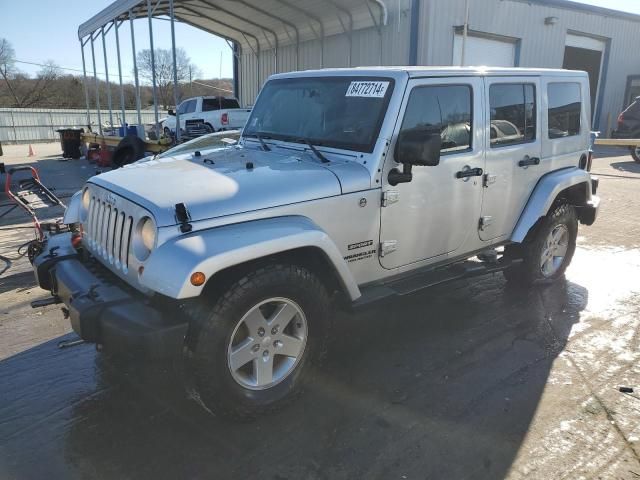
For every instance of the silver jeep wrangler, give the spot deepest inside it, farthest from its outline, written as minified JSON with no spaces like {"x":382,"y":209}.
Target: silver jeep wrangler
{"x":347,"y":186}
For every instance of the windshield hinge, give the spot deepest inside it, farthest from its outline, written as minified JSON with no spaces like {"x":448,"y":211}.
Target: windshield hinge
{"x":485,"y":222}
{"x":389,"y":197}
{"x":489,"y":179}
{"x":388,"y":246}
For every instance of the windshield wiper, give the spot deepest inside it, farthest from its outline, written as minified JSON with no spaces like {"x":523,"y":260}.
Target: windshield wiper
{"x":263,"y":144}
{"x":317,"y":152}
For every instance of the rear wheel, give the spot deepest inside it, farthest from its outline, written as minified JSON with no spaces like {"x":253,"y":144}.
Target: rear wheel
{"x":252,"y":349}
{"x":635,"y":153}
{"x":547,"y":254}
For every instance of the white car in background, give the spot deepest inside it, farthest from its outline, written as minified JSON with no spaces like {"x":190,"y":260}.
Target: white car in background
{"x":200,"y":115}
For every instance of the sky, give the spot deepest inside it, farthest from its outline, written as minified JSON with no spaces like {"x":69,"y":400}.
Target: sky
{"x":42,"y":30}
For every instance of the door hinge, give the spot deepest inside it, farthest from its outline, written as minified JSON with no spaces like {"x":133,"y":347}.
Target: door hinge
{"x":485,"y":222}
{"x":388,"y":246}
{"x":489,"y":179}
{"x":389,"y":197}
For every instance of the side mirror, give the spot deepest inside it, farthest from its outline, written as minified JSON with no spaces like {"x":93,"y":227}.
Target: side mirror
{"x":418,"y":146}
{"x":171,"y":112}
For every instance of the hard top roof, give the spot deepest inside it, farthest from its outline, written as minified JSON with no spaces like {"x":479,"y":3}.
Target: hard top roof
{"x":432,"y":71}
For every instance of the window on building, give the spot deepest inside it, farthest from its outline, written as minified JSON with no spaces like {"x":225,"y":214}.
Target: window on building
{"x":564,"y":109}
{"x":513,"y":113}
{"x":442,"y":109}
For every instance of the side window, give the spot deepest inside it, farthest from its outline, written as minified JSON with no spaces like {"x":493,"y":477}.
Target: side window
{"x":191,"y":106}
{"x":210,"y":104}
{"x":182,"y":109}
{"x":442,"y":109}
{"x":513,"y":113}
{"x":230,"y":103}
{"x":564,"y":109}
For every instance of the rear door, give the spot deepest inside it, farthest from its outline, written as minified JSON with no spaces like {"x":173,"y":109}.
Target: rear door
{"x":513,"y":150}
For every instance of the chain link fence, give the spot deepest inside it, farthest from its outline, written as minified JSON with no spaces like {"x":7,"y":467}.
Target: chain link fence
{"x":32,"y":125}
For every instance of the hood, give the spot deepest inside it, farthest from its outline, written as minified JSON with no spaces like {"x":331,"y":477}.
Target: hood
{"x":219,"y":183}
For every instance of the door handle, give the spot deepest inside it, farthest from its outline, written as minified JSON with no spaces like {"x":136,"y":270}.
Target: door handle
{"x":527,"y":160}
{"x":472,"y":172}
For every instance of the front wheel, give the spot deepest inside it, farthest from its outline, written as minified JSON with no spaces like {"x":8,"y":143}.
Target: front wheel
{"x":635,"y":153}
{"x":251,"y":350}
{"x":547,"y":254}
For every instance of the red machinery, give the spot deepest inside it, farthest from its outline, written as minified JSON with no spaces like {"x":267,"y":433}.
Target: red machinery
{"x":30,"y":194}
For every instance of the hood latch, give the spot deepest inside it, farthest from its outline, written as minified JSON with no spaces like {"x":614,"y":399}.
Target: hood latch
{"x":183,"y":217}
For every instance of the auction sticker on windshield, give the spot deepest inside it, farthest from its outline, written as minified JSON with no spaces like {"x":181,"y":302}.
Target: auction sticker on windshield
{"x":367,"y":89}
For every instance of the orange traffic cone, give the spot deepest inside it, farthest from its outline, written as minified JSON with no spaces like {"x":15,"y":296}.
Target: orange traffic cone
{"x":31,"y":154}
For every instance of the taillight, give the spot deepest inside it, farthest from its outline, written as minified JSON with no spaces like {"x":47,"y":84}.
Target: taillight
{"x":589,"y":159}
{"x":620,"y":119}
{"x":224,"y":119}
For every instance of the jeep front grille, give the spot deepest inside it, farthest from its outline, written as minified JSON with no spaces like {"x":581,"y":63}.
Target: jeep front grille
{"x":108,"y":232}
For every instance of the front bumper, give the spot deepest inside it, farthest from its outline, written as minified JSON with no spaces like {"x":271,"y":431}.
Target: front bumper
{"x":589,"y":212}
{"x":103,"y":309}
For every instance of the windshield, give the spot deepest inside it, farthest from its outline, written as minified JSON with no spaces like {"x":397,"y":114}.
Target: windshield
{"x":340,"y":112}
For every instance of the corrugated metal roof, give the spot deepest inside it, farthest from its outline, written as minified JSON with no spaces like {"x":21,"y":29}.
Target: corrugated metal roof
{"x":257,"y":24}
{"x":570,"y":5}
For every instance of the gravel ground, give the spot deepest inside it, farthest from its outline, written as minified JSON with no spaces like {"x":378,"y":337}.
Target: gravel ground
{"x":471,"y":380}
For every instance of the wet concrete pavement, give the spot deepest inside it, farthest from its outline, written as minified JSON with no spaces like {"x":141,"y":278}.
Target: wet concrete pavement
{"x":470,"y":380}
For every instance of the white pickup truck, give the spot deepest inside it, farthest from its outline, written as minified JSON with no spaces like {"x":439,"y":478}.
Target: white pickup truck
{"x":209,"y":114}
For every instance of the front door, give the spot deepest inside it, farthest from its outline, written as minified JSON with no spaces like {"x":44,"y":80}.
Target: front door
{"x":513,"y":146}
{"x":432,"y":216}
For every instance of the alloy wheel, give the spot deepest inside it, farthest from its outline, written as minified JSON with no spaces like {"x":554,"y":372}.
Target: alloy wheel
{"x":267,"y":343}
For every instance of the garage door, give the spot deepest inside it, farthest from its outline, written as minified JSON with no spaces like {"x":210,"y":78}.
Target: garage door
{"x":484,"y":51}
{"x":586,"y":53}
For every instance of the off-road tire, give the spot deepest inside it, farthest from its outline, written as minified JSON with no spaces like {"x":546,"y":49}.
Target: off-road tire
{"x":212,"y":324}
{"x":130,"y":149}
{"x":529,"y":272}
{"x":635,"y":153}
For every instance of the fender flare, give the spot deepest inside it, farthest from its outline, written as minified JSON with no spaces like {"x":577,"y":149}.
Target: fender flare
{"x":545,"y":193}
{"x":169,"y":267}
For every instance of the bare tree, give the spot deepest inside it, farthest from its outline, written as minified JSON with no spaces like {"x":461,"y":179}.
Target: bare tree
{"x":164,"y":71}
{"x":7,"y":64}
{"x":24,"y":91}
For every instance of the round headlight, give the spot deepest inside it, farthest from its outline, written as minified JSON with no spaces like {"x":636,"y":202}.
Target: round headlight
{"x":148,"y":233}
{"x":84,"y":206}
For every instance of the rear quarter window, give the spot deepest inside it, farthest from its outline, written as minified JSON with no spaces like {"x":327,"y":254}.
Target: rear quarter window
{"x":565,"y":105}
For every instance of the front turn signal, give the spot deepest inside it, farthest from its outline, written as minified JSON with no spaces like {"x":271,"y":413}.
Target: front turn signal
{"x":198,"y":279}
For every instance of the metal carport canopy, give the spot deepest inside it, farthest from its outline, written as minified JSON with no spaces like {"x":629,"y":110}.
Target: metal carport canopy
{"x":254,"y":24}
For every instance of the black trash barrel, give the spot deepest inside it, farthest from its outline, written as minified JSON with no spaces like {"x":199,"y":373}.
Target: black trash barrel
{"x":70,"y":140}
